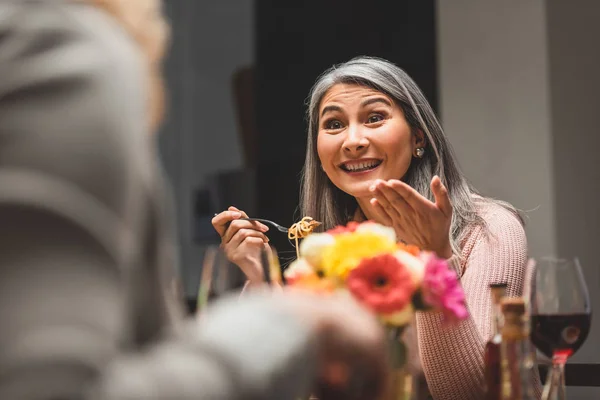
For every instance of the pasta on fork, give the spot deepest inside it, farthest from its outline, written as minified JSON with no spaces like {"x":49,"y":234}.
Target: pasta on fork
{"x":302,"y":229}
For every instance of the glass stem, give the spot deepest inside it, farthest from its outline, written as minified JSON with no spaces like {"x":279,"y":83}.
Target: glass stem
{"x":555,"y":383}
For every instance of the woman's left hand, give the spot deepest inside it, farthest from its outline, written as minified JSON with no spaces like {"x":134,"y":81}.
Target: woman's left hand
{"x":415,"y":219}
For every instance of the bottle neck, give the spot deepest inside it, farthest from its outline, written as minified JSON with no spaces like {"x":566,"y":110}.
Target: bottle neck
{"x":497,"y":295}
{"x":497,"y":319}
{"x":517,"y":358}
{"x":515,"y":328}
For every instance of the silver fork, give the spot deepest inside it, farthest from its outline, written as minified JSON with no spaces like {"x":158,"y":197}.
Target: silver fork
{"x":268,"y":222}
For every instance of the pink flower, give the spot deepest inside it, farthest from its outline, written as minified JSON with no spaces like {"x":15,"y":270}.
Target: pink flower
{"x":442,"y":291}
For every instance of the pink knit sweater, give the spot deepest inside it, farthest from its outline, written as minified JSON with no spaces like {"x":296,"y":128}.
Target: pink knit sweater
{"x":452,"y":358}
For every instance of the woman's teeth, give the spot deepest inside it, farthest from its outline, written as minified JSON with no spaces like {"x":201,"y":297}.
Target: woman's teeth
{"x":363,"y":166}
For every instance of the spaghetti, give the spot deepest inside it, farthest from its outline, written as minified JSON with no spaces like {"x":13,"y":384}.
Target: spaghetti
{"x":302,"y":229}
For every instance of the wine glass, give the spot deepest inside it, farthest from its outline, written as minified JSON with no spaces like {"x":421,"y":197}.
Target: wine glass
{"x":219,"y":276}
{"x":560,"y":317}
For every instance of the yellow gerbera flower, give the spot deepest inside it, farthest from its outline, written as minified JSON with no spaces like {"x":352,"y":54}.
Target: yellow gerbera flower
{"x":350,"y":248}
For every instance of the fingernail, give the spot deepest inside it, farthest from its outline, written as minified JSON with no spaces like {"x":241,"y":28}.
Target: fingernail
{"x":236,"y":214}
{"x":263,"y":228}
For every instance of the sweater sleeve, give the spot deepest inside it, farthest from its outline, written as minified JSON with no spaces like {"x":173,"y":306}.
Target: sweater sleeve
{"x":452,"y":357}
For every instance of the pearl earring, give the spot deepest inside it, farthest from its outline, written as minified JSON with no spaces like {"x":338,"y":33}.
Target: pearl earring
{"x":420,"y":152}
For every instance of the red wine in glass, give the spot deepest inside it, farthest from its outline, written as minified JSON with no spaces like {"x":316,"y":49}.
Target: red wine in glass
{"x":560,"y":317}
{"x":559,"y":333}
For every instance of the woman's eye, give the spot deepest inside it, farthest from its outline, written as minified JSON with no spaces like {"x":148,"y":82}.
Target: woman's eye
{"x":333,"y":124}
{"x":375,"y":118}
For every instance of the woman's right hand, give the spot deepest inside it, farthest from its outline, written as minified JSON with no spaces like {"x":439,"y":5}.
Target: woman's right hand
{"x":242,"y":241}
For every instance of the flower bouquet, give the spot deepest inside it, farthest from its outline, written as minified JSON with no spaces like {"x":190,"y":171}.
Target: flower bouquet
{"x":391,"y":279}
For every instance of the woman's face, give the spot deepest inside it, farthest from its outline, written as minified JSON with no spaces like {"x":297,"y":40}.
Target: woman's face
{"x":363,"y":136}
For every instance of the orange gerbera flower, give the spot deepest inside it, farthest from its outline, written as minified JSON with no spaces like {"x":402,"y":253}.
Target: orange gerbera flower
{"x":382,"y":283}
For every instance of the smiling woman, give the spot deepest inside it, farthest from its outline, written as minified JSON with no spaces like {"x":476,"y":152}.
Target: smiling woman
{"x":377,"y":113}
{"x":375,"y":150}
{"x":371,"y":129}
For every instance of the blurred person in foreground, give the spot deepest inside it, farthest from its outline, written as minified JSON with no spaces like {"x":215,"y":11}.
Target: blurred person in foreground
{"x":86,"y":251}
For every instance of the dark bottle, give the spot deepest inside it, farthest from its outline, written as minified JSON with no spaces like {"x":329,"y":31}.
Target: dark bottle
{"x":492,"y":347}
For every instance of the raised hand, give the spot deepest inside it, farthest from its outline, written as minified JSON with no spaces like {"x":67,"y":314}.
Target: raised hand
{"x":416,"y":219}
{"x":242,"y":241}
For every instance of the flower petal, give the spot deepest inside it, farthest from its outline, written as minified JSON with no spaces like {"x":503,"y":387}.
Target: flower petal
{"x":382,"y":284}
{"x":415,"y":265}
{"x":378,"y":229}
{"x":400,"y":318}
{"x":298,"y":269}
{"x":312,"y":247}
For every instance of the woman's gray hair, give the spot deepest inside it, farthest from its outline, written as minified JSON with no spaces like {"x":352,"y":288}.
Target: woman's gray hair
{"x":322,"y":200}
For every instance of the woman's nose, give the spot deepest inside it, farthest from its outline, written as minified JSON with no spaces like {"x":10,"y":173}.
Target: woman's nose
{"x":356,"y":140}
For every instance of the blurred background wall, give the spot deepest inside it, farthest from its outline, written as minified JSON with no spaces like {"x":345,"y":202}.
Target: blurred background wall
{"x":200,"y":139}
{"x":515,"y":83}
{"x":519,"y":100}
